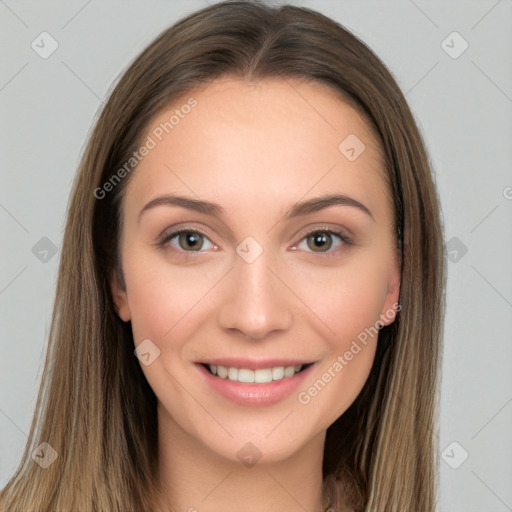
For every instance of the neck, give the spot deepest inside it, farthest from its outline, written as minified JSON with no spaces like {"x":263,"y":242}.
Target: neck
{"x":194,"y":478}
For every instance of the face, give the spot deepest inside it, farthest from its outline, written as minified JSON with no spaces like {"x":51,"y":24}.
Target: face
{"x":240,"y":277}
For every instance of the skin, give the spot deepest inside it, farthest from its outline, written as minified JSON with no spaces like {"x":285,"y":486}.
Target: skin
{"x":255,"y":148}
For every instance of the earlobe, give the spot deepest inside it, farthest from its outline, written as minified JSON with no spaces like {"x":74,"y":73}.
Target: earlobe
{"x":120,"y":298}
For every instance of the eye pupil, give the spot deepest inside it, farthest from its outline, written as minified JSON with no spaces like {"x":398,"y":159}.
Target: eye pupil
{"x":320,"y":238}
{"x":192,"y":240}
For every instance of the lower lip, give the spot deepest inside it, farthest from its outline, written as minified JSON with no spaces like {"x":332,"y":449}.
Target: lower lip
{"x":243,"y":393}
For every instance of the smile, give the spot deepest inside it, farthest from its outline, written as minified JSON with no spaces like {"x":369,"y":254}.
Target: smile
{"x":263,"y":386}
{"x":259,"y":376}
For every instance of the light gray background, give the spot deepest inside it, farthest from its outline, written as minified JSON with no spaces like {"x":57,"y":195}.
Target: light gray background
{"x":463,"y":106}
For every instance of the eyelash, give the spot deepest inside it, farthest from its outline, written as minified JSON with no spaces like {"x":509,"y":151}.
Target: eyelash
{"x":346,"y":240}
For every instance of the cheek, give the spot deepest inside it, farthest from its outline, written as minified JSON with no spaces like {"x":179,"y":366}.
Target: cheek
{"x":347,"y":299}
{"x":158,"y":296}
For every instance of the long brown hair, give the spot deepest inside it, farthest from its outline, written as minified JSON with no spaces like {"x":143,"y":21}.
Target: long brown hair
{"x":95,"y":407}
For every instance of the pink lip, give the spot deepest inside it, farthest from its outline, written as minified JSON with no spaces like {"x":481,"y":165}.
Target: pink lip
{"x":253,"y":364}
{"x":254,"y":394}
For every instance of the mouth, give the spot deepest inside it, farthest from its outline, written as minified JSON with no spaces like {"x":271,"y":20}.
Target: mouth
{"x":264,"y":383}
{"x":256,"y":376}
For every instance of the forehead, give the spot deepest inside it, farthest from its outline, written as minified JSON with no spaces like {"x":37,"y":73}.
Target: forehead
{"x":246,"y":141}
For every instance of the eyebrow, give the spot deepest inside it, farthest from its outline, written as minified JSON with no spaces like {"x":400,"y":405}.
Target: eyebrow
{"x":301,"y":208}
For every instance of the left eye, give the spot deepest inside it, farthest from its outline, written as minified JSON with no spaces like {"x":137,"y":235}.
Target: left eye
{"x":323,"y":239}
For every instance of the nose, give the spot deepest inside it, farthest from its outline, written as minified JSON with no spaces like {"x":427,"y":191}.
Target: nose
{"x":256,"y":303}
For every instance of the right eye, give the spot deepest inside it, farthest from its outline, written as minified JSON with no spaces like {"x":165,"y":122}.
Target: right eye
{"x":186,"y":240}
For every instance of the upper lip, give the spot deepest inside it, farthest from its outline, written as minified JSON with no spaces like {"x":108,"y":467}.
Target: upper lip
{"x":251,"y":363}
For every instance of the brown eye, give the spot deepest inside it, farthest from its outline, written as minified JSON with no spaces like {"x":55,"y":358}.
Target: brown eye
{"x":187,"y":241}
{"x":190,"y":240}
{"x":324,"y":242}
{"x":319,"y":240}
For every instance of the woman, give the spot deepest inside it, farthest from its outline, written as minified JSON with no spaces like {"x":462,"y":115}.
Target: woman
{"x":250,"y":296}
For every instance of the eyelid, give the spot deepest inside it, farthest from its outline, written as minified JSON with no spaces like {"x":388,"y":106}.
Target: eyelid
{"x":337,"y":230}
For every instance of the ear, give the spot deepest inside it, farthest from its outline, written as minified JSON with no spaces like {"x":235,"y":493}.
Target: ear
{"x":392,"y":299}
{"x":119,"y":296}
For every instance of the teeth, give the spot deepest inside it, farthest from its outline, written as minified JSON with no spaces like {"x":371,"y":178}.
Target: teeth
{"x":289,"y":371}
{"x":222,"y":371}
{"x":258,"y":376}
{"x":243,"y":375}
{"x":277,"y":373}
{"x":263,"y":375}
